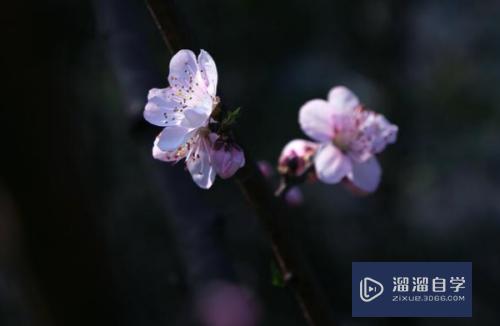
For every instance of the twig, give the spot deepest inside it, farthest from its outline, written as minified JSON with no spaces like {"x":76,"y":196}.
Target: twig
{"x":272,"y":212}
{"x":287,"y":182}
{"x":294,"y":268}
{"x":173,"y":33}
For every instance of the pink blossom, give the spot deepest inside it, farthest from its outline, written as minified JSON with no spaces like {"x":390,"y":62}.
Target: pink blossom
{"x":349,"y":137}
{"x":227,"y":158}
{"x":184,"y":109}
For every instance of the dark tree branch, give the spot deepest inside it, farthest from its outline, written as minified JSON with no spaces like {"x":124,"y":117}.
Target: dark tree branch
{"x":272,"y":212}
{"x":173,"y":32}
{"x":287,"y":251}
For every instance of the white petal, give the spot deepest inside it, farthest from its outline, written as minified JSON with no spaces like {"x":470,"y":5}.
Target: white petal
{"x":199,"y":164}
{"x":315,"y":120}
{"x":169,"y":107}
{"x":183,"y":69}
{"x":331,"y":164}
{"x":161,"y":110}
{"x":342,"y":99}
{"x":162,"y":155}
{"x":168,"y":156}
{"x":171,"y":138}
{"x":157,"y":92}
{"x":197,"y":116}
{"x":366,"y":175}
{"x":208,"y":71}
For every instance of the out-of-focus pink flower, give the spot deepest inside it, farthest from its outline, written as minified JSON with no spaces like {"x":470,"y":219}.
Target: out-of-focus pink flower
{"x":294,"y":197}
{"x":227,"y":157}
{"x":184,"y":110}
{"x":296,"y":156}
{"x":349,"y":137}
{"x":226,"y":304}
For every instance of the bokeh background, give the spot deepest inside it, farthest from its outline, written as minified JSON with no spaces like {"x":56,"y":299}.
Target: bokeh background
{"x":91,"y":232}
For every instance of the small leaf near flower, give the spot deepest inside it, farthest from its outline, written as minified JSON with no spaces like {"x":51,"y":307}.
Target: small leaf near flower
{"x":230,"y":118}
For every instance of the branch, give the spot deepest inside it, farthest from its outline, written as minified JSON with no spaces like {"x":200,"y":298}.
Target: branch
{"x":271,"y":211}
{"x":294,"y":268}
{"x":172,"y":30}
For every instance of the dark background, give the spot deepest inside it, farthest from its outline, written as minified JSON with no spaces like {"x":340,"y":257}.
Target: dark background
{"x":87,"y":235}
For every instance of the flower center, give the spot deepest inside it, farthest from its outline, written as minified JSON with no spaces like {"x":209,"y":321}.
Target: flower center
{"x":203,"y":132}
{"x":341,"y":142}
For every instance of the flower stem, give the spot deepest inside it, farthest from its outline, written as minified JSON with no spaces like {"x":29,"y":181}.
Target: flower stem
{"x":287,"y":181}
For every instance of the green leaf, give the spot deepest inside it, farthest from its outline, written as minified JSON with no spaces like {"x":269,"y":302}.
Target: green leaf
{"x":231,"y":117}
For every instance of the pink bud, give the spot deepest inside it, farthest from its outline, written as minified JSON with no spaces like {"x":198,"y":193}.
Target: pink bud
{"x":227,"y":158}
{"x":265,"y":168}
{"x":296,"y":156}
{"x":294,"y":197}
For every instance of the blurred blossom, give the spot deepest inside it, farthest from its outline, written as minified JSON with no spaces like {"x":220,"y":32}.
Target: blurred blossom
{"x":184,"y":109}
{"x":226,"y":304}
{"x":349,"y":137}
{"x":294,"y":197}
{"x":265,"y":168}
{"x":227,"y":157}
{"x":296,"y":157}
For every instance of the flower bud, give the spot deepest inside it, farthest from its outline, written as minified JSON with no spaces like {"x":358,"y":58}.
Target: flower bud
{"x":227,"y":157}
{"x":265,"y":168}
{"x":294,"y":197}
{"x":296,"y":157}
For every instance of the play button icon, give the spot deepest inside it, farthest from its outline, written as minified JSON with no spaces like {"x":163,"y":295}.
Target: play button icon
{"x":370,"y":289}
